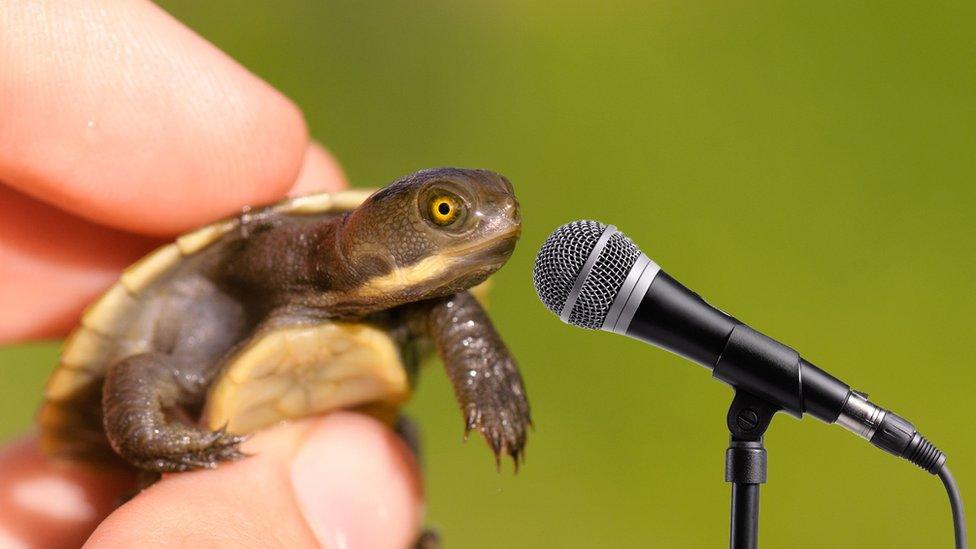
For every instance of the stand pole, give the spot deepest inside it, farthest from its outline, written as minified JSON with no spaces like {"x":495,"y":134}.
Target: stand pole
{"x":745,"y":466}
{"x":744,"y":532}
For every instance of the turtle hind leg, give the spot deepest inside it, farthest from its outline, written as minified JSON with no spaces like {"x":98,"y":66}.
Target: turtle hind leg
{"x":137,"y":395}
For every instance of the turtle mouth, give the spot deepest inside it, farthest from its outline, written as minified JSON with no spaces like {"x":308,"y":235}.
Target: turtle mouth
{"x":495,"y":249}
{"x":474,"y":262}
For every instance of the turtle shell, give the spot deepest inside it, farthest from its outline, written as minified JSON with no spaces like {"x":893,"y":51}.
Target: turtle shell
{"x":285,"y":371}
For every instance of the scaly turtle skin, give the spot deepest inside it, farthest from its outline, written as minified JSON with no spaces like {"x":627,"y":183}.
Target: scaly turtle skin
{"x":316,"y":303}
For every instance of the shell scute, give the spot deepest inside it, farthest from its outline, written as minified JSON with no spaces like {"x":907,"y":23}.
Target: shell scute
{"x":110,"y":314}
{"x":65,"y":382}
{"x":308,"y":204}
{"x":142,"y":273}
{"x":85,"y":349}
{"x":192,"y":242}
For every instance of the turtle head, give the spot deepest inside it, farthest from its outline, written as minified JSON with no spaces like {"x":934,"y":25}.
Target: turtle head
{"x":431,"y":234}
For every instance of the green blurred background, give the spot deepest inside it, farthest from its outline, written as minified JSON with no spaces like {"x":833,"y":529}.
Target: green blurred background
{"x":808,"y":166}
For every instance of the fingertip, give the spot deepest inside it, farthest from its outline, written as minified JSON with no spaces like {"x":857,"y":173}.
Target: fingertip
{"x":146,"y":127}
{"x":243,"y":503}
{"x":307,"y":482}
{"x":356,"y":484}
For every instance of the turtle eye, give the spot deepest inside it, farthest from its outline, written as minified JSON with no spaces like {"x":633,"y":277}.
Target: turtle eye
{"x":444,"y":209}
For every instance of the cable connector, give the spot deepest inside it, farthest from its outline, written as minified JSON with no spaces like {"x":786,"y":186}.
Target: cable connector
{"x":890,"y":432}
{"x":898,"y":436}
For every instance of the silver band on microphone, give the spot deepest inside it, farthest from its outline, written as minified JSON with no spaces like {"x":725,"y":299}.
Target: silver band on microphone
{"x":860,"y":416}
{"x":631,"y":293}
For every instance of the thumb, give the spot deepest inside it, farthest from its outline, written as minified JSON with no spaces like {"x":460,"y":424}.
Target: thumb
{"x":340,"y":481}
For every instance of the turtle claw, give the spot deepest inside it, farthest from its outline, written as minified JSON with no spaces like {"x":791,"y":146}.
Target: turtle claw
{"x":502,"y":415}
{"x":193,"y":462}
{"x":197,"y":450}
{"x":221,"y":438}
{"x":227,"y":440}
{"x":504,"y":431}
{"x":225,"y":449}
{"x":224,"y":446}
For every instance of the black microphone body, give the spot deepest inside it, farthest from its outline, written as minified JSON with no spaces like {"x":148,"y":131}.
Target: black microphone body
{"x":673,"y":317}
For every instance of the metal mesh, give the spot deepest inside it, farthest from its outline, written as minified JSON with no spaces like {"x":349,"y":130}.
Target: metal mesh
{"x":603,"y":283}
{"x":562,"y":257}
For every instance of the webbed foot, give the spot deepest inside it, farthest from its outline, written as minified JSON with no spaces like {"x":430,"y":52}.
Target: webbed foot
{"x":501,"y":413}
{"x":176,"y":450}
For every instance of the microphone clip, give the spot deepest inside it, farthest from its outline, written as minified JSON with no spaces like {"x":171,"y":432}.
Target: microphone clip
{"x":749,"y":416}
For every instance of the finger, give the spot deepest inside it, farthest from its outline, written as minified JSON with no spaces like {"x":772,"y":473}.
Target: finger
{"x":123,"y":116}
{"x":340,"y":481}
{"x":47,"y":503}
{"x":320,"y":172}
{"x":52,"y":264}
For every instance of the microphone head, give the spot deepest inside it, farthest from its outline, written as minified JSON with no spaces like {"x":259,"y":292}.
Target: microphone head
{"x":580,"y":270}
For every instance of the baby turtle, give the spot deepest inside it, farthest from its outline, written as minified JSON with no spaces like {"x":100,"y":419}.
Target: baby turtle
{"x":316,"y":303}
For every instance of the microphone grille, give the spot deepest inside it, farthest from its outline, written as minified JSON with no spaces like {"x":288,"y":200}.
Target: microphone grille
{"x":560,"y":260}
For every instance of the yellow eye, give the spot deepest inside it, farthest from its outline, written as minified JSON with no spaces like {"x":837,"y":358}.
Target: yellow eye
{"x":444,"y":209}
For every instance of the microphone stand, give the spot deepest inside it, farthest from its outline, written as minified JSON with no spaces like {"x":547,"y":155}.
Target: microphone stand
{"x":745,"y":465}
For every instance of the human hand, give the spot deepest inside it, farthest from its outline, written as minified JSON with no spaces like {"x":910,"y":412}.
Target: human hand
{"x":119,"y":128}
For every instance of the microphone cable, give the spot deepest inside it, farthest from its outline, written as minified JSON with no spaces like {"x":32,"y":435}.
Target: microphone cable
{"x":955,"y":501}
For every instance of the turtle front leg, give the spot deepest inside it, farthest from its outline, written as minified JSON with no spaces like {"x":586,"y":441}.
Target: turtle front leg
{"x":486,"y":380}
{"x":139,"y":393}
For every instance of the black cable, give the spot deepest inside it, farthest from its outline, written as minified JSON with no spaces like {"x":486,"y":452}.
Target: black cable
{"x":955,"y":500}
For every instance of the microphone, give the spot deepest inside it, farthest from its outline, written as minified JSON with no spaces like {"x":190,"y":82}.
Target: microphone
{"x":594,"y":277}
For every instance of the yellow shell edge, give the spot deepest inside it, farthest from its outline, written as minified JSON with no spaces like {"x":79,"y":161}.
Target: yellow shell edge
{"x":323,"y":202}
{"x":192,"y":242}
{"x":85,"y":348}
{"x":350,"y":199}
{"x":107,"y":316}
{"x":65,"y":382}
{"x":308,"y":204}
{"x":140,"y":274}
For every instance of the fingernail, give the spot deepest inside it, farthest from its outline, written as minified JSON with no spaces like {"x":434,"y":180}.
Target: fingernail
{"x":357,"y":485}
